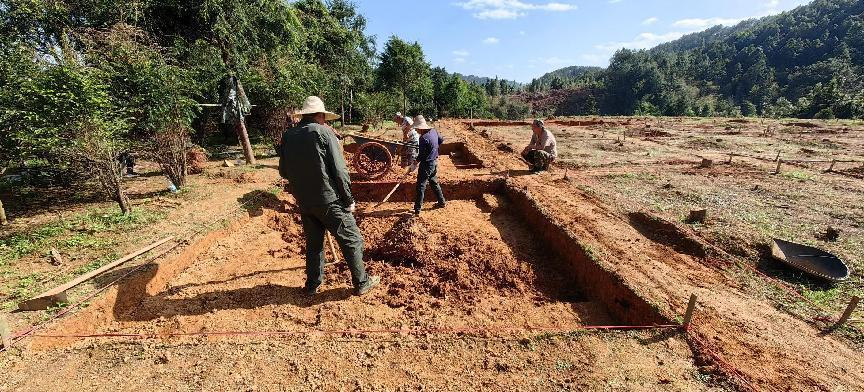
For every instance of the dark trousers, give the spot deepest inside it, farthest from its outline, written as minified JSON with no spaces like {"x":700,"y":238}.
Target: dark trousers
{"x":427,"y":172}
{"x":338,"y":221}
{"x":538,"y":160}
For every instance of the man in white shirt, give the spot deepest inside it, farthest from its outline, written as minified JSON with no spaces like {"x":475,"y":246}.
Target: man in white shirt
{"x":410,"y":137}
{"x":543,"y":149}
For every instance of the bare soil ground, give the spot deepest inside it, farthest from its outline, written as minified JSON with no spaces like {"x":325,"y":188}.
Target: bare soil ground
{"x":658,"y":169}
{"x":464,"y":285}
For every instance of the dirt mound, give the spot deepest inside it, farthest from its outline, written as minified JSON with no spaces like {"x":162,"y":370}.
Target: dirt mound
{"x":460,"y":267}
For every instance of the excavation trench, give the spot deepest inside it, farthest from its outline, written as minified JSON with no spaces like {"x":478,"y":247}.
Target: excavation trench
{"x":560,"y":252}
{"x":492,"y":261}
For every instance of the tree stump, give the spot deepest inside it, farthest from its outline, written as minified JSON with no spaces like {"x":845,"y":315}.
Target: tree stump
{"x":697,"y":216}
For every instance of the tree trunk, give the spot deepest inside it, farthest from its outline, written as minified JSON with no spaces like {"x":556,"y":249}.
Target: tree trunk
{"x":243,"y":135}
{"x":123,"y":200}
{"x":342,"y":101}
{"x":351,"y":107}
{"x":3,"y":221}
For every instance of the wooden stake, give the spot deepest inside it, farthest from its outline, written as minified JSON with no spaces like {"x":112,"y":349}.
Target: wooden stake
{"x":730,"y":159}
{"x":848,"y":313}
{"x":58,"y":294}
{"x":831,"y":168}
{"x":5,"y":333}
{"x":688,"y":316}
{"x":3,"y":221}
{"x":777,"y":170}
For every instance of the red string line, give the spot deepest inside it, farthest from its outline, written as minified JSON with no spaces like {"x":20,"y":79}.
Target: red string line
{"x":359,"y":331}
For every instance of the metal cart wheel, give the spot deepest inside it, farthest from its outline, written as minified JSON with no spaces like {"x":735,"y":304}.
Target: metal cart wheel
{"x":373,"y":161}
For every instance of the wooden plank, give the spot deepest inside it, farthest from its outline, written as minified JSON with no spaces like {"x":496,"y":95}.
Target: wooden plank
{"x":58,"y":294}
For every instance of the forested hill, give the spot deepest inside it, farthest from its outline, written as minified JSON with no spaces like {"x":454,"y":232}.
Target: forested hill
{"x":576,"y":71}
{"x":806,"y":62}
{"x":483,"y":80}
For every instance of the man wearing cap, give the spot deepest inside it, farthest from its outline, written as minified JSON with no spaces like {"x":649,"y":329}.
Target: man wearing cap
{"x":311,"y":160}
{"x":427,"y":164}
{"x":410,"y":137}
{"x":542,"y":150}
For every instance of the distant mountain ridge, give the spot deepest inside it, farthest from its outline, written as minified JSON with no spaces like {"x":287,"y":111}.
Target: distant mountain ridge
{"x":482,"y":80}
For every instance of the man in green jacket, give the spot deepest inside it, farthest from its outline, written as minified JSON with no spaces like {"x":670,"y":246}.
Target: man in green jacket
{"x":312,"y":162}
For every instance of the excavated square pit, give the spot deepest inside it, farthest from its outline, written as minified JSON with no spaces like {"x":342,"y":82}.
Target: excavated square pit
{"x":490,"y":261}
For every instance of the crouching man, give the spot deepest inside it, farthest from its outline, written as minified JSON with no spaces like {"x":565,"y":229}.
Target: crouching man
{"x":311,"y":160}
{"x":542,"y":150}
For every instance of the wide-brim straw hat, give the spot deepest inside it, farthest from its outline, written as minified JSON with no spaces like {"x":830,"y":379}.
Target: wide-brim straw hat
{"x":420,"y":123}
{"x":313,"y":105}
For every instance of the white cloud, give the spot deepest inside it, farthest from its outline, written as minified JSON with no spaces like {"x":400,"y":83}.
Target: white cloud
{"x":459,"y":60}
{"x":614,"y":1}
{"x":491,"y":41}
{"x":461,"y":53}
{"x":650,"y":21}
{"x":510,"y":9}
{"x":703,"y":23}
{"x":521,"y":33}
{"x":594,"y":59}
{"x":642,"y":41}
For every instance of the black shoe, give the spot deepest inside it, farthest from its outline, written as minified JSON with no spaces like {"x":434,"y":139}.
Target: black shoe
{"x":310,"y":292}
{"x":416,"y":212}
{"x":370,"y":284}
{"x":439,"y":205}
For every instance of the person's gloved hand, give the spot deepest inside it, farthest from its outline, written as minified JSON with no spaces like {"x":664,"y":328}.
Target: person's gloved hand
{"x":352,"y":208}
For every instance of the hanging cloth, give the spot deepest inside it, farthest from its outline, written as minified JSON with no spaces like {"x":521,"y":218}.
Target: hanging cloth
{"x":235,"y":104}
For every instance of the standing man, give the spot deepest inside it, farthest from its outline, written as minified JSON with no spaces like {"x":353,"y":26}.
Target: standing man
{"x":312,"y":162}
{"x":427,"y":163}
{"x":543,"y":149}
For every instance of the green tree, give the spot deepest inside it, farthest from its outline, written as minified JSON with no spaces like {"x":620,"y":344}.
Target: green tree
{"x":403,"y":69}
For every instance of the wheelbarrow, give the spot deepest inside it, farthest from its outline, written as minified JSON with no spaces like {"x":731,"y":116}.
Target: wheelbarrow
{"x":811,"y":260}
{"x":375,"y":157}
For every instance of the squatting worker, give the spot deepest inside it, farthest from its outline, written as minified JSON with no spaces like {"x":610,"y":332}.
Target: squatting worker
{"x":543,"y":150}
{"x":410,"y":137}
{"x":427,"y":164}
{"x":311,"y":160}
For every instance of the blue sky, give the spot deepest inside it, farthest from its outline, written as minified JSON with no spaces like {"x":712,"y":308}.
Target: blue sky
{"x":523,"y":39}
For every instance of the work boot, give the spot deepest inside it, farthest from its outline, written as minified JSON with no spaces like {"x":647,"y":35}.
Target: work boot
{"x":370,"y":284}
{"x":439,"y":205}
{"x":311,"y":291}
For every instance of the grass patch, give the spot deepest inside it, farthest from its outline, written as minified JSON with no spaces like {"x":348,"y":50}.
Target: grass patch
{"x":798,"y":175}
{"x":26,"y":286}
{"x":85,"y":225}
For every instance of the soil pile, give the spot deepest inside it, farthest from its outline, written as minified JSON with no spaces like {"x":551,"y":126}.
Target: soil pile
{"x":424,"y":259}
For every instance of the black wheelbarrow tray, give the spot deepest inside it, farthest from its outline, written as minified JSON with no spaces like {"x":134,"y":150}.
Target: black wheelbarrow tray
{"x":811,"y":260}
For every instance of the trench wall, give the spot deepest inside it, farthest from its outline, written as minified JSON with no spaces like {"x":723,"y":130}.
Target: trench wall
{"x":595,"y":281}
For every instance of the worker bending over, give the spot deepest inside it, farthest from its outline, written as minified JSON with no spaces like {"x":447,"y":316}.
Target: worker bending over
{"x":410,"y":137}
{"x":311,"y":160}
{"x":542,"y":150}
{"x":427,"y":164}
